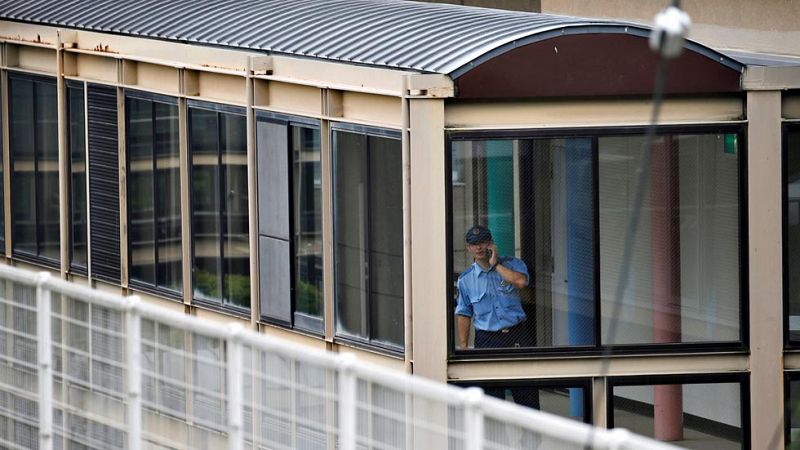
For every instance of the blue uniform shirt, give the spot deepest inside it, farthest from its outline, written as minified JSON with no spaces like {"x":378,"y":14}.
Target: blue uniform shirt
{"x":492,"y":302}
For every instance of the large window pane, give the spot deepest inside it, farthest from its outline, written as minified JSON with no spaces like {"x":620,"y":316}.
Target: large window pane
{"x":307,"y":216}
{"x":221,"y":262}
{"x":536,"y":197}
{"x":34,"y":152}
{"x":169,"y":270}
{"x":236,"y":245}
{"x":141,"y":208}
{"x":697,"y":416}
{"x":77,"y":164}
{"x":555,"y":208}
{"x":684,"y":268}
{"x":792,"y":214}
{"x":369,"y":237}
{"x":154,"y":194}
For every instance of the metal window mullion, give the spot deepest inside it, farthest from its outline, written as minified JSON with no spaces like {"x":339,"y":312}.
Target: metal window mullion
{"x":86,"y":176}
{"x":292,"y":228}
{"x":367,"y":223}
{"x":220,"y":213}
{"x":154,"y":196}
{"x":36,"y":205}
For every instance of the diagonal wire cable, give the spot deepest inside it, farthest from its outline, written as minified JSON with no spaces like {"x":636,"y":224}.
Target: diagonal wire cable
{"x":634,"y":222}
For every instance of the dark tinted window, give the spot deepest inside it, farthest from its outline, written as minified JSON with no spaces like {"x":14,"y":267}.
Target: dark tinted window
{"x":368,"y":237}
{"x":34,"y":153}
{"x":154,"y":210}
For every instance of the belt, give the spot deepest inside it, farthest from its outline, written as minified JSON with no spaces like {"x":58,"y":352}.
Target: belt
{"x":505,"y":330}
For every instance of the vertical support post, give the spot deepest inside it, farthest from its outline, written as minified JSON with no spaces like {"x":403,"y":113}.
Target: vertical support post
{"x":405,"y":142}
{"x":63,"y":156}
{"x":429,"y":229}
{"x":600,"y":402}
{"x":473,"y":419}
{"x":252,"y":198}
{"x":326,"y":163}
{"x":186,"y":206}
{"x":347,"y":402}
{"x":235,"y":388}
{"x":765,"y":270}
{"x":133,"y":362}
{"x":665,"y":263}
{"x":6,"y":124}
{"x":44,"y":347}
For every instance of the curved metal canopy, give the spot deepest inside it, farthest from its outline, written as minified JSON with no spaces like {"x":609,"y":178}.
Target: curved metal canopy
{"x":426,"y":37}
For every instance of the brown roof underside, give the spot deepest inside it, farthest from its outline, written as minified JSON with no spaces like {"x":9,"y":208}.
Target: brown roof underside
{"x":592,"y":65}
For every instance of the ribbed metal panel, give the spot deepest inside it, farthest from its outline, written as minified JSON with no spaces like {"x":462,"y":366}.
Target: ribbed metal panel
{"x":104,"y":182}
{"x":428,"y":37}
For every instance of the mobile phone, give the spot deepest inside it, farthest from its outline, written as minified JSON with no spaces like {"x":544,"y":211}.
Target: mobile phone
{"x":490,"y":253}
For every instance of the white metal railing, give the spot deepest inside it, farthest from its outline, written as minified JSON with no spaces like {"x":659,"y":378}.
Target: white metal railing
{"x":80,"y":367}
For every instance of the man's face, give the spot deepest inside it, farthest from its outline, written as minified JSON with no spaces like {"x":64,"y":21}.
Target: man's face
{"x":479,"y":250}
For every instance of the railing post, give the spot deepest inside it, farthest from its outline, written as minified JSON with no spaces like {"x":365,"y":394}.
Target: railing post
{"x":44,"y":352}
{"x":133,"y":362}
{"x":347,"y":402}
{"x":235,"y":388}
{"x":473,"y":419}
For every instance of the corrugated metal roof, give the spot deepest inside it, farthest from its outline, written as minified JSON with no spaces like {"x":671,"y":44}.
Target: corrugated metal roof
{"x":427,"y":37}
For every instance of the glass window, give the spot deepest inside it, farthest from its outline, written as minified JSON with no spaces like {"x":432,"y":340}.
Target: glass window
{"x":34,"y":152}
{"x":368,"y":233}
{"x":793,"y":411}
{"x":220,"y":243}
{"x":695,"y":415}
{"x":77,"y":164}
{"x":792,"y":227}
{"x":684,"y":267}
{"x":565,"y":399}
{"x":154,"y":207}
{"x":307,"y":224}
{"x":556,"y":211}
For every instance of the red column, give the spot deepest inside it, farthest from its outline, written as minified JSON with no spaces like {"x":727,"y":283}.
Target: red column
{"x":665,"y":265}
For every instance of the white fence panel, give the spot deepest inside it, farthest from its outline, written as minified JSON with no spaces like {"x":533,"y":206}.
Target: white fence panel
{"x":84,"y":369}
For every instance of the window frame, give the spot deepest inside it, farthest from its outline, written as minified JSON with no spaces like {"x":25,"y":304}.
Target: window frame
{"x":598,"y":348}
{"x":138,"y":284}
{"x":788,"y":127}
{"x":539,"y":383}
{"x":16,"y":254}
{"x":741,"y":378}
{"x":290,"y":121}
{"x":360,"y":342}
{"x":218,"y":108}
{"x":74,"y":267}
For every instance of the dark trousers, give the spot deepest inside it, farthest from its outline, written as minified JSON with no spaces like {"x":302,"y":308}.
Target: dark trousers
{"x":516,"y":336}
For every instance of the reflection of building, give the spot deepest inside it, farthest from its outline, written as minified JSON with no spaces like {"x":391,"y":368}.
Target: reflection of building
{"x":317,"y":185}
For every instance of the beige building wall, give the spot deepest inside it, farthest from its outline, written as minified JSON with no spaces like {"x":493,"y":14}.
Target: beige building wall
{"x":769,"y":26}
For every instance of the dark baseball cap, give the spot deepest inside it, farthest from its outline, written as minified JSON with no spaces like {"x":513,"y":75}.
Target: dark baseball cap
{"x":478,"y":234}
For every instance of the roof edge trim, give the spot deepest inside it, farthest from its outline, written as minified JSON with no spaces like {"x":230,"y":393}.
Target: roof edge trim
{"x":577,"y":29}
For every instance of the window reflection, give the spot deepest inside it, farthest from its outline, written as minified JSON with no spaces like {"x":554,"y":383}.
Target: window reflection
{"x":221,"y":262}
{"x":77,"y":164}
{"x":558,"y":209}
{"x":154,"y":211}
{"x":34,"y":153}
{"x":369,"y":237}
{"x":792,"y":217}
{"x":307,"y":212}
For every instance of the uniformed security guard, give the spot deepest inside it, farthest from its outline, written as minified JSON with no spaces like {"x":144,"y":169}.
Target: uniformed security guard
{"x":488,"y":299}
{"x":488,"y":295}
